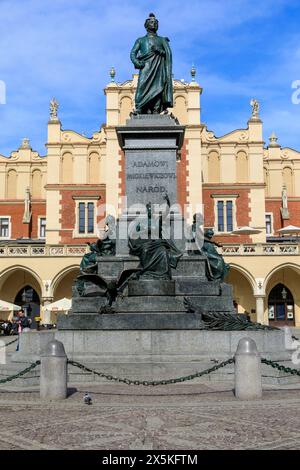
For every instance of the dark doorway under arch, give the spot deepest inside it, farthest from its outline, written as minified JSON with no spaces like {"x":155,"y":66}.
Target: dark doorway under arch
{"x":29,"y":300}
{"x":281,"y":306}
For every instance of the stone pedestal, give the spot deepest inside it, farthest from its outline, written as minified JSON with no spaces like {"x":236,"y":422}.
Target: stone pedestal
{"x":150,"y":144}
{"x":151,"y":304}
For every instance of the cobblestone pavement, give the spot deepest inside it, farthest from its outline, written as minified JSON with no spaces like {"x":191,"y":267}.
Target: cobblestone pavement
{"x":199,"y":416}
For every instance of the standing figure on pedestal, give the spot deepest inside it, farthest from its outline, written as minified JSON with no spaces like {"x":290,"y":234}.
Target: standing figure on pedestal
{"x":152,"y":55}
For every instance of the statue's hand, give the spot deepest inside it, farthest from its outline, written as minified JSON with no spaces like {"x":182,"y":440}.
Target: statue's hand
{"x":140,"y":64}
{"x":158,"y":50}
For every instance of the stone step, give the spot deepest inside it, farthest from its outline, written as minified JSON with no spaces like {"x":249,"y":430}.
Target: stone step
{"x":178,"y":286}
{"x":188,"y":266}
{"x":166,"y":304}
{"x":131,"y":321}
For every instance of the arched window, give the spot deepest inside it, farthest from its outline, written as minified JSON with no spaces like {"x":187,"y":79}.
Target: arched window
{"x":36,"y":184}
{"x":67,"y":168}
{"x":94,"y":168}
{"x":180,"y":109}
{"x":125,"y":109}
{"x":213,"y":167}
{"x":11,"y":184}
{"x":241,"y":167}
{"x":287,"y":176}
{"x":281,"y":306}
{"x":29,"y":300}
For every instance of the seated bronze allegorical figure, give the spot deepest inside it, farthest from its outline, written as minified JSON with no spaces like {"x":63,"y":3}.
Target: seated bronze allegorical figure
{"x":216,"y":268}
{"x":105,"y":246}
{"x":157,"y":255}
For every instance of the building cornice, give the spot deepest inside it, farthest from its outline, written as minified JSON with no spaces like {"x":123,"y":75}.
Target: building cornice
{"x":222,"y":186}
{"x":75,"y":187}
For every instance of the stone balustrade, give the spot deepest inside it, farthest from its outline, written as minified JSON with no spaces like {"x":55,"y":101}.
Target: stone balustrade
{"x":79,"y":250}
{"x":43,"y":250}
{"x":261,"y":249}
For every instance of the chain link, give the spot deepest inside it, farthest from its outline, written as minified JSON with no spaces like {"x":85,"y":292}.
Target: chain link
{"x":7,"y":344}
{"x":23,"y":372}
{"x":152,"y":382}
{"x":280,"y":367}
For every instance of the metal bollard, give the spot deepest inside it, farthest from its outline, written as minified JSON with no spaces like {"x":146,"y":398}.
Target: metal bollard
{"x":53,"y":381}
{"x":247,"y":370}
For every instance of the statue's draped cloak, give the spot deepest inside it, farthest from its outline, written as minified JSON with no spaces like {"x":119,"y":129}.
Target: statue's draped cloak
{"x":216,"y":268}
{"x":157,"y":256}
{"x":155,"y":77}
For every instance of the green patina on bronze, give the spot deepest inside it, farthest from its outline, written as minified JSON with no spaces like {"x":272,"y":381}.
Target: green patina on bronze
{"x":157,"y":255}
{"x":216,"y":268}
{"x":106,"y":246}
{"x":221,"y":321}
{"x":152,"y":55}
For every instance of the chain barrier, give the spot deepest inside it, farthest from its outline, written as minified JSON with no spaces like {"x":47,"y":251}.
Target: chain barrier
{"x":23,"y":372}
{"x":280,"y":367}
{"x":152,"y":382}
{"x":11,"y":342}
{"x":276,"y":365}
{"x":295,"y":338}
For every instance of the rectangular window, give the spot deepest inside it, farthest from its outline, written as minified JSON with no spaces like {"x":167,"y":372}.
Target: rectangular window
{"x":269,"y":224}
{"x":4,"y":227}
{"x":229,"y":218}
{"x":86,"y":218}
{"x":225,"y":213}
{"x":90,"y":217}
{"x":42,"y":227}
{"x":220,"y":216}
{"x":81,"y":217}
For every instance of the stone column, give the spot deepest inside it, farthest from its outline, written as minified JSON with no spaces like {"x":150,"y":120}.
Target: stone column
{"x":53,"y":382}
{"x":247,"y":370}
{"x":260,"y":308}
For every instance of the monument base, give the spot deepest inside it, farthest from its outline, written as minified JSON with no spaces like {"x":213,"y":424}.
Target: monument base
{"x":159,"y":354}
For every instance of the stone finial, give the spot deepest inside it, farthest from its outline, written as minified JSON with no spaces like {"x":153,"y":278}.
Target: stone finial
{"x":25,"y":144}
{"x":112,"y":74}
{"x":273,"y":140}
{"x":193,"y":73}
{"x":53,"y":109}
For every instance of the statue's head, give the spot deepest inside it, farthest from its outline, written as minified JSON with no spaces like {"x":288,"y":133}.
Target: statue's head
{"x":151,"y":23}
{"x":209,"y":233}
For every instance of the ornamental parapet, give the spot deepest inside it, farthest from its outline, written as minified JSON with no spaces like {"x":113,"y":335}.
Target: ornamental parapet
{"x":42,"y":250}
{"x":260,"y":249}
{"x":250,"y":249}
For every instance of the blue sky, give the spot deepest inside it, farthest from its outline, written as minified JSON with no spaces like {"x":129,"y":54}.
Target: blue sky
{"x":65,"y":48}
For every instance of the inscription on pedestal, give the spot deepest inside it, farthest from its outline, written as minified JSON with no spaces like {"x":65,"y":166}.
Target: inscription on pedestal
{"x":149,"y":175}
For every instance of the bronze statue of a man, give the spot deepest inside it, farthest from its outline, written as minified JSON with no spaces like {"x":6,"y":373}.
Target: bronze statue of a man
{"x":152,"y":55}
